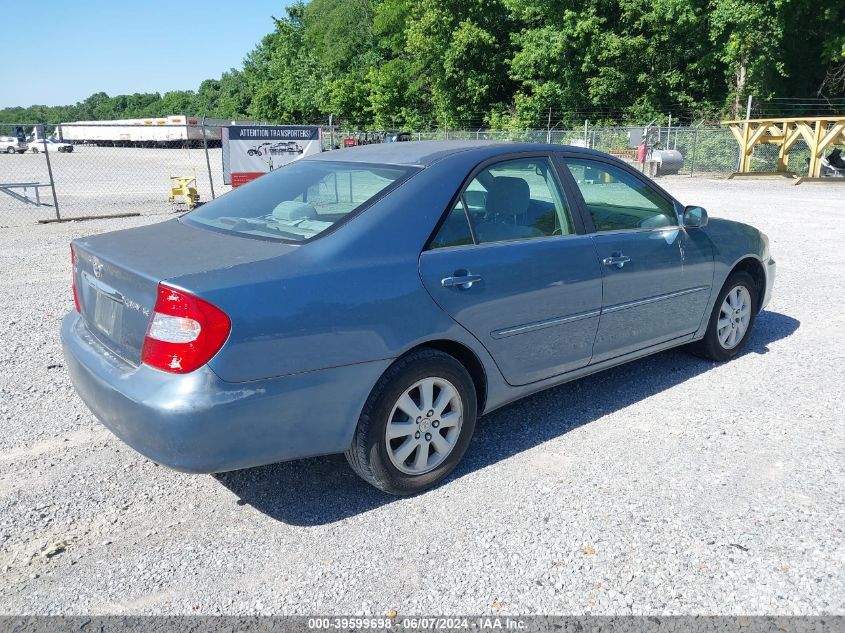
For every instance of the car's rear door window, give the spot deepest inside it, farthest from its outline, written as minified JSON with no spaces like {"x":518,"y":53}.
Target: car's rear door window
{"x":299,"y":201}
{"x":455,"y":230}
{"x":511,"y":200}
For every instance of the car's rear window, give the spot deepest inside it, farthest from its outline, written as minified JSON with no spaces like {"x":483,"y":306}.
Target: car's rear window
{"x":299,"y":201}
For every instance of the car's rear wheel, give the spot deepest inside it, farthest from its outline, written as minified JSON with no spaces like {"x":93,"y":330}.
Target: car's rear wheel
{"x":731,"y":320}
{"x":34,"y":150}
{"x":10,"y":150}
{"x":416,"y":424}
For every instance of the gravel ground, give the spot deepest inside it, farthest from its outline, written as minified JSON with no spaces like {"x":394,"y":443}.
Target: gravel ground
{"x":670,"y":485}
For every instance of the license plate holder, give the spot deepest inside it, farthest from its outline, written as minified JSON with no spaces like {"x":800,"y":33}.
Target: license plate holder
{"x":106,"y":313}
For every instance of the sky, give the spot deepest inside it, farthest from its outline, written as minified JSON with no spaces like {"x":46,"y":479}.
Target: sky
{"x":122,"y":47}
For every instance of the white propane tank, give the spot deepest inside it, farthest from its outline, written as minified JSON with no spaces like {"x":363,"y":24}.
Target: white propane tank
{"x":669,"y":161}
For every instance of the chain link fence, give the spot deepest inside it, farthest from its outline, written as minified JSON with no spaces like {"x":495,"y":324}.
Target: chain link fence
{"x":77,"y":171}
{"x":99,"y":173}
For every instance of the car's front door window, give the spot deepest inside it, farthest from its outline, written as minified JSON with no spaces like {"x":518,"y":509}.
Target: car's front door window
{"x":616,"y":200}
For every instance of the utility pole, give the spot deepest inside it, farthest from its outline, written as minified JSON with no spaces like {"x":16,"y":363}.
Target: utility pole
{"x":549,"y":129}
{"x":748,"y":108}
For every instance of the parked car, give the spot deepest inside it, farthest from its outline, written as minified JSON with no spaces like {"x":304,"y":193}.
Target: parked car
{"x":51,"y":145}
{"x":376,"y":302}
{"x":395,"y":137}
{"x":13,"y":145}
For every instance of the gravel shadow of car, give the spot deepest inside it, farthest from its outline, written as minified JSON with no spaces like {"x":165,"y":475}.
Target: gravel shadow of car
{"x":323,"y":490}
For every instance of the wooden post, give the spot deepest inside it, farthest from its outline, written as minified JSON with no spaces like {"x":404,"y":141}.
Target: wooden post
{"x":745,"y":151}
{"x":816,"y":150}
{"x":783,"y":152}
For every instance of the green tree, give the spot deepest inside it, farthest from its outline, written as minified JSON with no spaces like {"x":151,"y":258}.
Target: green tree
{"x":508,"y":64}
{"x":460,"y":50}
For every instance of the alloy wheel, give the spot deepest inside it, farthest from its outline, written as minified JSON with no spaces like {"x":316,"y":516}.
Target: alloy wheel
{"x":424,"y":426}
{"x":734,"y":317}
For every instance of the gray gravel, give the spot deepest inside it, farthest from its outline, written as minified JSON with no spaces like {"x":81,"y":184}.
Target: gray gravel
{"x":670,"y":485}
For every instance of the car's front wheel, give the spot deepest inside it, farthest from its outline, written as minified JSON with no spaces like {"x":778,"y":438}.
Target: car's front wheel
{"x":10,"y":150}
{"x":731,"y":320}
{"x":416,"y":424}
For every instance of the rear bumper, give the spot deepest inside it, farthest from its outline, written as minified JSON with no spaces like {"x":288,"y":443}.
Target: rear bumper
{"x":770,"y":270}
{"x":198,"y":423}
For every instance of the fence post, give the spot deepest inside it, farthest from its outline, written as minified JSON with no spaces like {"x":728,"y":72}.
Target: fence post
{"x":694,"y":147}
{"x":207,"y":160}
{"x":49,"y":171}
{"x":669,"y":132}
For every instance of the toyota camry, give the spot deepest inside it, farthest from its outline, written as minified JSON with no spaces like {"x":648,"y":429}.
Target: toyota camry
{"x":375,"y":301}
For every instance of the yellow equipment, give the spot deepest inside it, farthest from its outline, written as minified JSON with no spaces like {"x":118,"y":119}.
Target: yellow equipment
{"x":183,"y":190}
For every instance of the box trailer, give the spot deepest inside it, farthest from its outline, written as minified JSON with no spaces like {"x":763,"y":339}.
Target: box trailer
{"x":171,"y":131}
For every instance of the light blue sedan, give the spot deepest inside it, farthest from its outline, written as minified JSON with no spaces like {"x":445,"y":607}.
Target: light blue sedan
{"x":377,"y":300}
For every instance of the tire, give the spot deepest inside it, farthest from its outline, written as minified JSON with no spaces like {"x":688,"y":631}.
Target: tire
{"x":379,"y":461}
{"x":713,"y":346}
{"x":10,"y":150}
{"x":34,"y":150}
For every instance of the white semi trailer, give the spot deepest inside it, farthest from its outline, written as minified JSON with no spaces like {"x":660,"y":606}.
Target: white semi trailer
{"x":177,"y":130}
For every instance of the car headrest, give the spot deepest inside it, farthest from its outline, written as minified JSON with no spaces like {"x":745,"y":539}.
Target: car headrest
{"x":291,"y":210}
{"x":508,"y":195}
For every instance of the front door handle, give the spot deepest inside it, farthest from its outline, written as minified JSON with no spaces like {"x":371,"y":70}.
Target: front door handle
{"x":464,"y":280}
{"x":617,"y":259}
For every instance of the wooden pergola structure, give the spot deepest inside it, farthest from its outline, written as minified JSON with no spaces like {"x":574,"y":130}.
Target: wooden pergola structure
{"x":818,"y":132}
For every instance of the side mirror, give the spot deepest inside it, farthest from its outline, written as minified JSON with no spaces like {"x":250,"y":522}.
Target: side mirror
{"x":695,"y":216}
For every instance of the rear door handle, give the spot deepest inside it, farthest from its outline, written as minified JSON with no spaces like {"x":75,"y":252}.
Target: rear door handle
{"x":462,"y":281}
{"x":617,"y":259}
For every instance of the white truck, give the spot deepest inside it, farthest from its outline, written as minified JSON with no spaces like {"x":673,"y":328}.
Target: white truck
{"x":177,"y":130}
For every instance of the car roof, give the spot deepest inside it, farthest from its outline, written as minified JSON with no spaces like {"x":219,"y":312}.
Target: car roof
{"x":424,"y":153}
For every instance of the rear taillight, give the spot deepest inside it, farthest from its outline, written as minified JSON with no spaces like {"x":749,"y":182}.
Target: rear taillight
{"x":184,"y":332}
{"x":73,"y":279}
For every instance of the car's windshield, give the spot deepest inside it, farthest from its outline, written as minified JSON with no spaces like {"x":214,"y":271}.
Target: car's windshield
{"x":298,"y":201}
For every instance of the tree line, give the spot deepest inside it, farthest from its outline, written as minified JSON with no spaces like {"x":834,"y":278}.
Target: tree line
{"x":421,"y":64}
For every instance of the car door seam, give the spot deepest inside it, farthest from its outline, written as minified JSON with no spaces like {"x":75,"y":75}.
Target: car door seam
{"x":453,"y":319}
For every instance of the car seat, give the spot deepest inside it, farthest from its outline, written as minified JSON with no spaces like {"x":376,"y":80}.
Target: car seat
{"x":508,"y":199}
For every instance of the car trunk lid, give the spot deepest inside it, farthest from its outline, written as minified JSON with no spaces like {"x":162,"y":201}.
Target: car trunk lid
{"x":117,"y":274}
